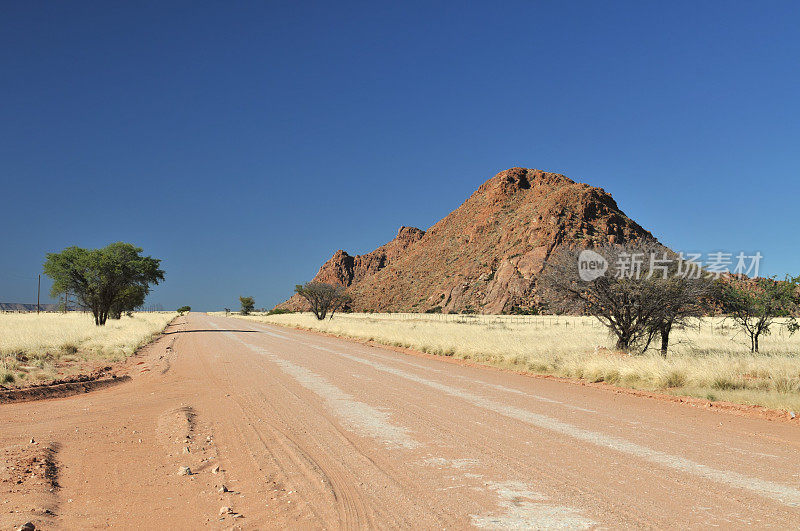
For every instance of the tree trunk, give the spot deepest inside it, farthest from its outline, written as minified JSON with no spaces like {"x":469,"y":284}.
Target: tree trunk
{"x":665,"y":330}
{"x":623,"y":343}
{"x":755,"y":343}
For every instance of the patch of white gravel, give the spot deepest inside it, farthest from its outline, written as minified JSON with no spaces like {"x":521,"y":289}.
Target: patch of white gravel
{"x":358,"y":415}
{"x":522,"y":508}
{"x":450,"y":463}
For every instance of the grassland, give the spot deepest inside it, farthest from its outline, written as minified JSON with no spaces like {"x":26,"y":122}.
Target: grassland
{"x":38,"y":348}
{"x":710,"y":359}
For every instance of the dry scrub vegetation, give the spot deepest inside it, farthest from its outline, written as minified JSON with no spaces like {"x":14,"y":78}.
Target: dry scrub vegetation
{"x":37,"y":348}
{"x":710,"y":359}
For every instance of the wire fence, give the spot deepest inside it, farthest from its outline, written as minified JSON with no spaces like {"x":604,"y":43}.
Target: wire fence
{"x":719,"y":325}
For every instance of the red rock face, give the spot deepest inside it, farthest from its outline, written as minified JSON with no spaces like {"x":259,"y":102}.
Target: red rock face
{"x":485,"y":255}
{"x":345,"y":270}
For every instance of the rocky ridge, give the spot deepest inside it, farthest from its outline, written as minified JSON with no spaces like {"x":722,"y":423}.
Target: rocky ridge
{"x":484,"y":256}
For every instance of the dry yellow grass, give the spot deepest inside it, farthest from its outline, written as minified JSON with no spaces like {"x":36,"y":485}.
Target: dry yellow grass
{"x":708,"y":360}
{"x":32,"y":346}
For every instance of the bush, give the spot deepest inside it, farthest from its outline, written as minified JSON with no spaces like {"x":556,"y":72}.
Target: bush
{"x":725,"y":383}
{"x":674,"y":378}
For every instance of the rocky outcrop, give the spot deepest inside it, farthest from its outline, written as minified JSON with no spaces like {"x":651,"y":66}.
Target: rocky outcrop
{"x":344,"y":269}
{"x":484,"y":256}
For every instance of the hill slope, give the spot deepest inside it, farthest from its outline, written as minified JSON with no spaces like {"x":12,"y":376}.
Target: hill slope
{"x":485,"y":255}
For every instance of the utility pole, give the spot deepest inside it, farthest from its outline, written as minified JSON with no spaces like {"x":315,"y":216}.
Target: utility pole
{"x":38,"y":293}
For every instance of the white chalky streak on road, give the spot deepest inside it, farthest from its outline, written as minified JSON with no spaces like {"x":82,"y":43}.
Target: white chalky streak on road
{"x":412,"y":364}
{"x":784,"y":494}
{"x":358,"y":415}
{"x":481,"y":383}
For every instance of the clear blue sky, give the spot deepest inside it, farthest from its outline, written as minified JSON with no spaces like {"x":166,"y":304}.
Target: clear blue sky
{"x":244,"y":142}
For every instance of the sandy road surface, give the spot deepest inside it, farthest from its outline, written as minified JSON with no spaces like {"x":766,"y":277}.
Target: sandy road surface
{"x":310,"y":431}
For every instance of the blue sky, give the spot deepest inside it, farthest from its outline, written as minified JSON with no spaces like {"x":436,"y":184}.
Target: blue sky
{"x":243,"y":143}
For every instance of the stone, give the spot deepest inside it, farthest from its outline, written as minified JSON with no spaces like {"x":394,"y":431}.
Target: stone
{"x":184,"y":471}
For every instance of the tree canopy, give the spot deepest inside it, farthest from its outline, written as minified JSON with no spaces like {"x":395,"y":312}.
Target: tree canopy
{"x":248,"y":304}
{"x":755,"y":305}
{"x":323,"y":297}
{"x":107,"y":281}
{"x":635,"y":305}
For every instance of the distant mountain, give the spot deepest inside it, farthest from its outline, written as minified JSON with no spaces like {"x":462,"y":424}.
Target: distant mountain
{"x":485,"y":256}
{"x":19,"y":307}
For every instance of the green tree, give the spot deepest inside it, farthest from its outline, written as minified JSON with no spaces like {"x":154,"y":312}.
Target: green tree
{"x":106,"y":281}
{"x":754,"y":305}
{"x":128,"y":300}
{"x":184,"y":309}
{"x":248,"y":304}
{"x":323,"y":297}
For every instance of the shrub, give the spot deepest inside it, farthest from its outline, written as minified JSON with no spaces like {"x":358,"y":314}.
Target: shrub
{"x":725,"y":383}
{"x":674,"y":378}
{"x":69,"y":348}
{"x":787,"y":385}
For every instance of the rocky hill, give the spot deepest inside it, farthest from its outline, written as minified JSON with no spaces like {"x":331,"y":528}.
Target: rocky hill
{"x":485,"y":255}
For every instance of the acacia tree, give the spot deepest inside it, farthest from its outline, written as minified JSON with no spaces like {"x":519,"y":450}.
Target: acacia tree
{"x":106,"y":280}
{"x":248,"y":304}
{"x":323,"y":297}
{"x":680,"y":299}
{"x":637,"y":304}
{"x":755,"y":305}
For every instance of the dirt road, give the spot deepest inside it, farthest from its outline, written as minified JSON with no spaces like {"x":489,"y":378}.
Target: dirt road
{"x":310,"y":431}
